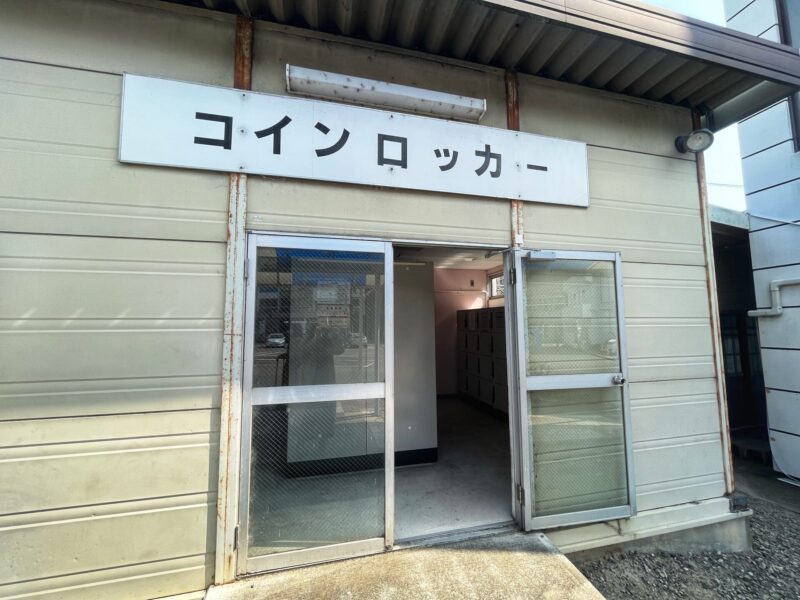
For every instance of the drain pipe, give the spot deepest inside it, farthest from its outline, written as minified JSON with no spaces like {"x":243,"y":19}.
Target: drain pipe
{"x":776,"y":310}
{"x":713,"y":313}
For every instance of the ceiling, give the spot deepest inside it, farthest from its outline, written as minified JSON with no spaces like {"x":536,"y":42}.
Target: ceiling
{"x":622,"y":46}
{"x":443,"y":257}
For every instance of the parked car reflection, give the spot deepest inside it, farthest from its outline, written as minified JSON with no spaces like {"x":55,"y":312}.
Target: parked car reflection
{"x":276,"y":340}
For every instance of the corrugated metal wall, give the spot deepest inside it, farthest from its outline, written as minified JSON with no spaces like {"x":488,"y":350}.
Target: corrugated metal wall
{"x":771,"y":170}
{"x":112,"y":282}
{"x":112,"y":279}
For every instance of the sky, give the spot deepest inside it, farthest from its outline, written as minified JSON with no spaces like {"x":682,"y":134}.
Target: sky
{"x":723,"y":162}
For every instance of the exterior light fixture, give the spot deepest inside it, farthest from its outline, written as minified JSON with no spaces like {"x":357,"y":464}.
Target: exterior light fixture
{"x":697,"y":141}
{"x":382,"y":94}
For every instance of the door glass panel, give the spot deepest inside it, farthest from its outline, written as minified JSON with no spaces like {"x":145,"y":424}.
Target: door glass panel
{"x":316,"y":466}
{"x":316,"y":475}
{"x":570,"y":317}
{"x":319,"y":317}
{"x":577,"y":449}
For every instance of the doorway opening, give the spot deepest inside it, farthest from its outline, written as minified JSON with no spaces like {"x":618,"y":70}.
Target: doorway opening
{"x":452,"y":448}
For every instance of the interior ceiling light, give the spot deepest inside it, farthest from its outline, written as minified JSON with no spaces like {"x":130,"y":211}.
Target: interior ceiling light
{"x":382,"y":94}
{"x":697,"y":141}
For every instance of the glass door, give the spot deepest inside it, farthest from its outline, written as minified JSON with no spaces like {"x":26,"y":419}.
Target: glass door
{"x":575,"y":461}
{"x":317,"y":451}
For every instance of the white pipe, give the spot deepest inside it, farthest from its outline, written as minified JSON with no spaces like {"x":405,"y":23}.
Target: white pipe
{"x":776,"y":309}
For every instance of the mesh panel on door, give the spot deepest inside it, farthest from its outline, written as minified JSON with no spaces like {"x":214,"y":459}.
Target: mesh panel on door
{"x":316,"y":475}
{"x":318,"y":317}
{"x":570,"y":310}
{"x":577,"y":450}
{"x":317,"y":467}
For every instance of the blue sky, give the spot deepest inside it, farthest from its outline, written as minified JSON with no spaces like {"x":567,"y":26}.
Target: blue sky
{"x":723,"y":164}
{"x":707,"y":10}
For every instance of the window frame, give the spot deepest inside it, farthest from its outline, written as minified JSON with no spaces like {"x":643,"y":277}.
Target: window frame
{"x":491,"y":278}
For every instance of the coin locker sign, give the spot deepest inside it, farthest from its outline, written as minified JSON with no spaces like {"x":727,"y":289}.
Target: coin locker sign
{"x":178,"y":124}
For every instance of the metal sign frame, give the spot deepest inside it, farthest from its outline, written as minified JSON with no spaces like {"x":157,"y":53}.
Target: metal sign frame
{"x":197,"y":126}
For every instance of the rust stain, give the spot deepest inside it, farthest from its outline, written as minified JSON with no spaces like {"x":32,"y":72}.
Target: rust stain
{"x":243,"y":56}
{"x":242,"y":79}
{"x":512,"y":122}
{"x":512,"y":100}
{"x":716,"y":336}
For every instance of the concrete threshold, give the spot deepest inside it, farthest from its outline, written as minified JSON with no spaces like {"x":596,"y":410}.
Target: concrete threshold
{"x":504,"y":566}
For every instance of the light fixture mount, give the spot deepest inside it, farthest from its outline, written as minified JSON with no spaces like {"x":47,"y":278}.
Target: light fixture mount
{"x":382,"y":94}
{"x":697,"y":141}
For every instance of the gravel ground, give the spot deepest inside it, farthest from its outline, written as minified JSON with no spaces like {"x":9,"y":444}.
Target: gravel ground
{"x":771,"y":570}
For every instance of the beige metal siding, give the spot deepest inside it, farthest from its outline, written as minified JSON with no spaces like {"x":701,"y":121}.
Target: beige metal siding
{"x":146,"y":38}
{"x":303,"y":206}
{"x":110,"y":392}
{"x":58,"y":141}
{"x":111,"y":311}
{"x":644,"y":204}
{"x":306,"y":207}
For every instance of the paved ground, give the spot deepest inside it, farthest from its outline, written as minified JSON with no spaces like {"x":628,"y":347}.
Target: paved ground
{"x":499,"y":567}
{"x":771,"y":570}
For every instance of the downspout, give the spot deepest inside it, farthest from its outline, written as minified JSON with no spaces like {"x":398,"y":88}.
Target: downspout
{"x":713,"y":310}
{"x":232,"y":340}
{"x":776,"y":310}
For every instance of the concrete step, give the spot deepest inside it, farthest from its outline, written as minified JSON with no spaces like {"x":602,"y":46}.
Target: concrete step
{"x":504,"y":566}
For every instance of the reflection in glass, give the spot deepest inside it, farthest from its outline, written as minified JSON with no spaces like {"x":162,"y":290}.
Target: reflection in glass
{"x":577,"y":450}
{"x":318,"y":317}
{"x":316,"y":475}
{"x":570,"y":317}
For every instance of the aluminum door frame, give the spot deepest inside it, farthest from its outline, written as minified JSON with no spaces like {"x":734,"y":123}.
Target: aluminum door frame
{"x":260,"y":396}
{"x":524,"y":384}
{"x":519,"y":458}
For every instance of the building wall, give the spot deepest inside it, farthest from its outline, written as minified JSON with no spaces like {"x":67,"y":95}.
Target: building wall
{"x":414,"y":359}
{"x":771,"y":170}
{"x":453,"y":293}
{"x":293,"y":205}
{"x":111,"y":310}
{"x":644,"y":203}
{"x":113,"y":281}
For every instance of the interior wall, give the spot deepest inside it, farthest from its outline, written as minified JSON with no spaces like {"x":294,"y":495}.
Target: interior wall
{"x":414,"y":359}
{"x":454,"y":290}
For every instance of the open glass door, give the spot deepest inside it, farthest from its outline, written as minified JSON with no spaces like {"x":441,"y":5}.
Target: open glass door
{"x":317,"y":450}
{"x":574,"y":453}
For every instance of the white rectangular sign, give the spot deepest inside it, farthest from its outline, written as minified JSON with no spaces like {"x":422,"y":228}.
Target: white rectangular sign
{"x":177,"y":124}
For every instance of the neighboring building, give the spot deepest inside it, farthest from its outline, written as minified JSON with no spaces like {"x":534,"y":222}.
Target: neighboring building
{"x":770,"y":141}
{"x":744,"y":377}
{"x":228,"y":313}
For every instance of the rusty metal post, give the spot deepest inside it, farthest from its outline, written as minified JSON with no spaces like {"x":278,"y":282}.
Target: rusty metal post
{"x":232,"y":339}
{"x":713,"y":310}
{"x":512,"y":122}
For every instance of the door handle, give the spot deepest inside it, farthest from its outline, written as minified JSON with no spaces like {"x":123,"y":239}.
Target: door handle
{"x":618,"y":380}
